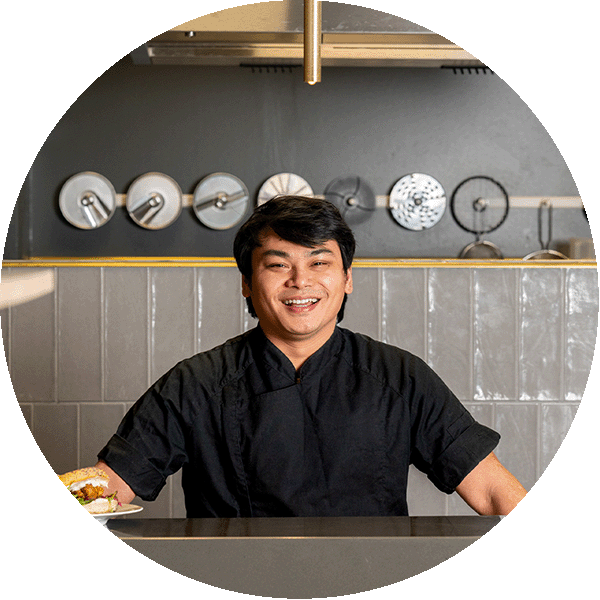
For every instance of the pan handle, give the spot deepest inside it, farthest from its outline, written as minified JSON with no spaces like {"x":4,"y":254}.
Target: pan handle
{"x":545,"y":205}
{"x":545,"y":253}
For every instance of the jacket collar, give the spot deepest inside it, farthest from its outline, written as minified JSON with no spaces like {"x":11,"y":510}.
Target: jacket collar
{"x":266,"y":351}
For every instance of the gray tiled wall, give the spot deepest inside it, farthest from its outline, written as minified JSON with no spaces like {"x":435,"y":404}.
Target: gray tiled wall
{"x":515,"y":345}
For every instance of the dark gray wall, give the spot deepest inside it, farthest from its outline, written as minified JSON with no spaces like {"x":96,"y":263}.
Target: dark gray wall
{"x":377,"y":123}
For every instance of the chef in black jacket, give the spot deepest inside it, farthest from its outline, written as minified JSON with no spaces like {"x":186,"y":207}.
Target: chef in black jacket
{"x":299,"y":416}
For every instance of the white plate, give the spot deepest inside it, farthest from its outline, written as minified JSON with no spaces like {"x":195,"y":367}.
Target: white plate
{"x":124,"y":509}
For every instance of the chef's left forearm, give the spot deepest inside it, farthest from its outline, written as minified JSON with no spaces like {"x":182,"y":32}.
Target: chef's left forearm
{"x":490,"y":489}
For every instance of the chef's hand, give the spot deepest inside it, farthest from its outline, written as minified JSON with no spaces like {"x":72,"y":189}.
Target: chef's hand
{"x":115,"y":484}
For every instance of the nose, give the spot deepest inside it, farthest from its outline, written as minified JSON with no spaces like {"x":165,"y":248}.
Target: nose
{"x":299,"y":277}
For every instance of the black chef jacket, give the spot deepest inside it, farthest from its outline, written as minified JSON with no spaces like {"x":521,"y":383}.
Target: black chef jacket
{"x":256,"y":438}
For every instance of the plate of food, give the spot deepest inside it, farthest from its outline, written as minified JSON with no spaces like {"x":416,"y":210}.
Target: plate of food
{"x":121,"y":510}
{"x":89,"y":487}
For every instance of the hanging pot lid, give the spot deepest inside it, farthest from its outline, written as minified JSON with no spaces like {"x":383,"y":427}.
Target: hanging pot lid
{"x":417,"y":201}
{"x":154,"y":201}
{"x":220,"y":201}
{"x":287,"y":184}
{"x":87,"y":200}
{"x":353,"y":197}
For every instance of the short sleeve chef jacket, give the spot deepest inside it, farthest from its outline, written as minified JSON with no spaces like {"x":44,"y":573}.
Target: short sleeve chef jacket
{"x":256,"y":438}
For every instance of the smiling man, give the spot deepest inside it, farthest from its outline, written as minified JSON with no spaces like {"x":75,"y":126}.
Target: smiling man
{"x":299,"y":416}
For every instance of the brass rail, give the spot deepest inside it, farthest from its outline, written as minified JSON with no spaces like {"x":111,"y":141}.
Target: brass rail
{"x":400,"y":263}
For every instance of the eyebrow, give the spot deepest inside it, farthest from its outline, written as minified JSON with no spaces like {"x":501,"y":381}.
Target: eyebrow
{"x":282,"y":254}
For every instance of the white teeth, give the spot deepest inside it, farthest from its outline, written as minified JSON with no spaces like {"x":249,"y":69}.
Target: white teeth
{"x":303,"y":301}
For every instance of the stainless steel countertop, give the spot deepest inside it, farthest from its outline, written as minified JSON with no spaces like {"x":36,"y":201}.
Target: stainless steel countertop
{"x":303,"y":527}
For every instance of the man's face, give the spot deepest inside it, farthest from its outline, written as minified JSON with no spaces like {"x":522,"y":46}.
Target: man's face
{"x":296,"y":291}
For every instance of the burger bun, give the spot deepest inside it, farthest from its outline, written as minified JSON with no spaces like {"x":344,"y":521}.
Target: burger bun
{"x":77,"y":479}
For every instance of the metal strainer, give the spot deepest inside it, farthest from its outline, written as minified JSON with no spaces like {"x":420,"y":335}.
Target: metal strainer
{"x":479,"y":205}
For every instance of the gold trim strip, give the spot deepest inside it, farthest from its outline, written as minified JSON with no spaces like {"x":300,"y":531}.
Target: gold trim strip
{"x":375,"y":263}
{"x":506,"y":263}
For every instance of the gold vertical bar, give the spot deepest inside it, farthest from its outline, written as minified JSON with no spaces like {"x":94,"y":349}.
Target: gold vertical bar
{"x":312,"y":41}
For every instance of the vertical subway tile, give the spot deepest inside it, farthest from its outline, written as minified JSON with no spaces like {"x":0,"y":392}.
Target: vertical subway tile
{"x":482,"y":413}
{"x":219,"y":292}
{"x":362,"y":309}
{"x":541,"y":357}
{"x":79,"y":334}
{"x":125,"y":333}
{"x":33,"y":349}
{"x":171,"y":317}
{"x":403,"y":309}
{"x":97,"y":424}
{"x":581,"y":325}
{"x":54,"y":428}
{"x":517,"y":451}
{"x":449,"y":328}
{"x":556,"y":421}
{"x":423,"y":498}
{"x":458,"y":507}
{"x":494,"y":334}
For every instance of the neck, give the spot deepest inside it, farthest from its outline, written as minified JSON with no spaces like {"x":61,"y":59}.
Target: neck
{"x":298,"y":350}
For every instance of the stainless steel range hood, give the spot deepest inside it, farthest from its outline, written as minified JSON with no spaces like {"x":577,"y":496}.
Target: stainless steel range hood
{"x":271,"y":33}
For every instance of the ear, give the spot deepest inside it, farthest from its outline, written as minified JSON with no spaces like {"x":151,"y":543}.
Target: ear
{"x":349,"y":286}
{"x":246,"y":288}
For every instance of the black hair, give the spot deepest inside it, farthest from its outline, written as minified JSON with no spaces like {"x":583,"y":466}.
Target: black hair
{"x":297,"y":219}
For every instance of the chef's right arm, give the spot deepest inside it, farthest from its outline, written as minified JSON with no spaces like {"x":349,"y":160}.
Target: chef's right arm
{"x":115,"y":484}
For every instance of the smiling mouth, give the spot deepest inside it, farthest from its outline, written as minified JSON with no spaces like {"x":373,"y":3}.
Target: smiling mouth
{"x":302,"y":302}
